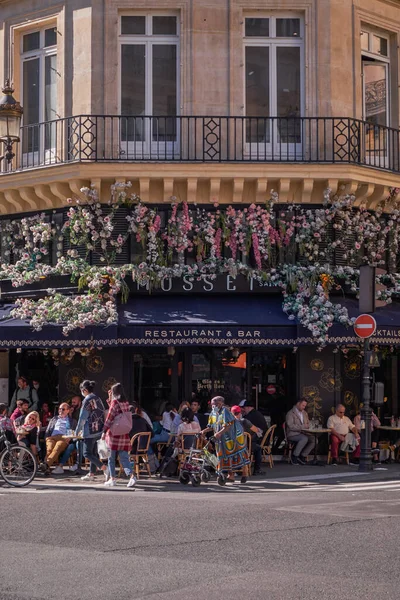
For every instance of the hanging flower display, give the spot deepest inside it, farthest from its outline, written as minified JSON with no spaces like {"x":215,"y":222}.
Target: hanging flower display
{"x":294,"y":250}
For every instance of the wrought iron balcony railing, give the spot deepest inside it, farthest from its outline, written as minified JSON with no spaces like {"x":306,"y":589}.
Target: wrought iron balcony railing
{"x":96,"y":138}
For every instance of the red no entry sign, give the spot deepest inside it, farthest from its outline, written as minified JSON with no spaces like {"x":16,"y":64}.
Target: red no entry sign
{"x":364,"y":326}
{"x":271,"y":389}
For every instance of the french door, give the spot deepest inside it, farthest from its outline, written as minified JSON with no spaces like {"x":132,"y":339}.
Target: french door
{"x":376,"y":111}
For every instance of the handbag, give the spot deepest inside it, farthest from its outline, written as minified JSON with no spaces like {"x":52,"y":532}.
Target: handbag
{"x":103,"y":450}
{"x":122,"y":423}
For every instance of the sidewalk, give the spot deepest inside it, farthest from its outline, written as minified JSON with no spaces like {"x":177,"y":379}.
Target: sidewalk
{"x":281,"y":475}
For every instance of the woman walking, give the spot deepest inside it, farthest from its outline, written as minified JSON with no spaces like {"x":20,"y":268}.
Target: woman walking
{"x":230,"y":441}
{"x":118,"y":442}
{"x":91,"y":423}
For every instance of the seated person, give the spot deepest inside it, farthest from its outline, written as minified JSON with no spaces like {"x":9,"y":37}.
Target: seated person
{"x":188,"y":424}
{"x":21,"y":411}
{"x":139,"y":424}
{"x":75,"y":409}
{"x":340,"y":427}
{"x":166,"y":422}
{"x":55,"y":436}
{"x":27,"y":432}
{"x":254,"y":416}
{"x":45,"y":415}
{"x":178,"y":418}
{"x":202,"y":419}
{"x":375,"y":423}
{"x":296,"y":421}
{"x":6,"y":426}
{"x":255,"y":434}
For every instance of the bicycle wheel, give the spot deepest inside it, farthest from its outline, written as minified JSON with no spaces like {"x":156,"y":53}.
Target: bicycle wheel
{"x":18,"y":466}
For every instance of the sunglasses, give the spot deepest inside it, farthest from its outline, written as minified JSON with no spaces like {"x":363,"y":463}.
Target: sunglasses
{"x":63,"y":409}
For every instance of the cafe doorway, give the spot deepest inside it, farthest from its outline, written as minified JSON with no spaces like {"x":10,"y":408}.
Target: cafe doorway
{"x":273,"y":382}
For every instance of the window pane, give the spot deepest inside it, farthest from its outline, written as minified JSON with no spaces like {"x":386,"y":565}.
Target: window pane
{"x":133,"y":25}
{"x":257,"y":93}
{"x":287,"y":27}
{"x":50,"y":100}
{"x":257,"y":27}
{"x":164,"y":91}
{"x":133,"y":90}
{"x":375,"y":101}
{"x":31,"y":41}
{"x":379,"y":45}
{"x":31,"y":104}
{"x":364,"y":40}
{"x":164,"y":25}
{"x":288,"y":93}
{"x":50,"y":37}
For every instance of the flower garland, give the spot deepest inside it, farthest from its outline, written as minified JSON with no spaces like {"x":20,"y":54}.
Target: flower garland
{"x":72,"y":312}
{"x":257,"y":241}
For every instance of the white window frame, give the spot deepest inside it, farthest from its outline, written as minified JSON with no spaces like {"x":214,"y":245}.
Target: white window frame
{"x":274,"y":147}
{"x":379,"y":158}
{"x":149,"y":147}
{"x":43,"y":154}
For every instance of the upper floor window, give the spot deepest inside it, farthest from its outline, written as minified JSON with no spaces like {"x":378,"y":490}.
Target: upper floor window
{"x":274,"y":71}
{"x":375,"y":59}
{"x":149,"y":77}
{"x":39,"y":86}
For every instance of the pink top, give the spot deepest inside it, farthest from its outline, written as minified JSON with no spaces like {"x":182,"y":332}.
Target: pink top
{"x":375,"y":422}
{"x":192,"y":427}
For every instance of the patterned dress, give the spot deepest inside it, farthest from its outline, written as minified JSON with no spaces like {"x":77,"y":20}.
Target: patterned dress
{"x":231,"y":447}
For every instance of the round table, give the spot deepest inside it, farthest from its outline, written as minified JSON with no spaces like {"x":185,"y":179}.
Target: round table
{"x":389,"y":428}
{"x":316,"y":432}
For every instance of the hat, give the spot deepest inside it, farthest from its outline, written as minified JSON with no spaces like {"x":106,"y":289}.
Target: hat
{"x":236,"y":409}
{"x":248,"y":403}
{"x":242,"y":402}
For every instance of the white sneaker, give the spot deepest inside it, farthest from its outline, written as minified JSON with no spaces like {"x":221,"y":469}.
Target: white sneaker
{"x":132,"y":482}
{"x":58,"y":470}
{"x":88,"y":477}
{"x":73,"y":468}
{"x":110,"y":483}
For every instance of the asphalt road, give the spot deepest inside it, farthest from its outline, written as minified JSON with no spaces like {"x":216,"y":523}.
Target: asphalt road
{"x":283,"y":541}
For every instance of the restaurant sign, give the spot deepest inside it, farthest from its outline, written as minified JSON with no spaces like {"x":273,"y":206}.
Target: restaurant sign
{"x":221,"y":284}
{"x":180,"y":335}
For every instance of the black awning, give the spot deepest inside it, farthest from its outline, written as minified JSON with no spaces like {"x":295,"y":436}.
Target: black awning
{"x":209,"y":321}
{"x":15,"y":333}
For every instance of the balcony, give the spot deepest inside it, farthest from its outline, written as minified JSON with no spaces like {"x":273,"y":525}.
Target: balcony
{"x":245,"y":157}
{"x":98,"y":138}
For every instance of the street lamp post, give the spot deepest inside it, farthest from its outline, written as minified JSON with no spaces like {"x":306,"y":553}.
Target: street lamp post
{"x":366,"y":412}
{"x":10,"y":121}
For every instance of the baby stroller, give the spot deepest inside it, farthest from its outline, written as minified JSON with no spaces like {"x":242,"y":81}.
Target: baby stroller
{"x":199,"y":464}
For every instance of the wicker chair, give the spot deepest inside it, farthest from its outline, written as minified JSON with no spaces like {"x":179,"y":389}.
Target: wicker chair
{"x":266,"y":446}
{"x":140,"y":447}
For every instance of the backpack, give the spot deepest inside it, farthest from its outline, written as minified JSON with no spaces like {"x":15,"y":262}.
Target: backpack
{"x":122,"y":423}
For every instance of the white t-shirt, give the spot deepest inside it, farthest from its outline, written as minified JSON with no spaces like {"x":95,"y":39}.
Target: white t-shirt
{"x":341,"y":425}
{"x":166,"y":421}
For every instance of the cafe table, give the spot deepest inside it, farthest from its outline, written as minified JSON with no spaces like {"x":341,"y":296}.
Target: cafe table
{"x":389,"y":428}
{"x":316,"y":433}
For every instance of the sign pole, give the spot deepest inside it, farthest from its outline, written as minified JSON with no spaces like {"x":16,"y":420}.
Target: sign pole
{"x":366,"y":412}
{"x":365,"y":327}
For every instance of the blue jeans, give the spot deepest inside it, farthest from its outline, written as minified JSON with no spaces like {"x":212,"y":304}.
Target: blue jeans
{"x":124,"y":460}
{"x":90,"y":453}
{"x":67,"y":453}
{"x":160,"y":437}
